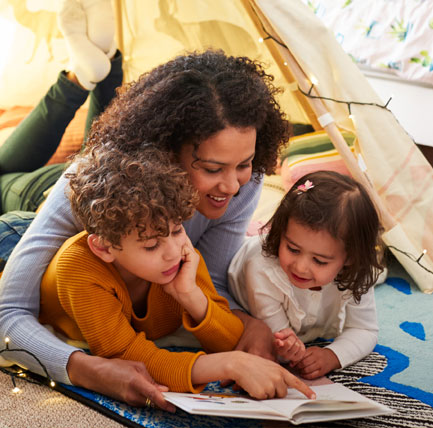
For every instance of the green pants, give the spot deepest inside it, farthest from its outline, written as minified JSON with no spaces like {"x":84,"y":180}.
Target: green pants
{"x":23,"y":176}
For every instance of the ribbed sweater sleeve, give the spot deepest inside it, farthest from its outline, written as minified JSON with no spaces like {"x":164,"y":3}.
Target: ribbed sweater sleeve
{"x":20,"y":284}
{"x":220,"y":330}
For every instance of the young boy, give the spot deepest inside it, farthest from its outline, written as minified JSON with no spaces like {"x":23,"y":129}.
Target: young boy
{"x":133,"y":276}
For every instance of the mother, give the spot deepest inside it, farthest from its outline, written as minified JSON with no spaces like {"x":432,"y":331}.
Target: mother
{"x":219,"y":119}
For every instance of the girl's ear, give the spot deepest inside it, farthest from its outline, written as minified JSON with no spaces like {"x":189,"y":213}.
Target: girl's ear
{"x":100,"y":248}
{"x":346,"y":264}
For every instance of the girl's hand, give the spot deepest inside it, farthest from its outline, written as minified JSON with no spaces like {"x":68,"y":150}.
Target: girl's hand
{"x":317,"y":362}
{"x":184,"y":281}
{"x":288,"y":346}
{"x":263,"y":378}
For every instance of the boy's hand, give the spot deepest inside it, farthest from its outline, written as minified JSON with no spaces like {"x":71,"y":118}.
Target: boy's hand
{"x":184,"y":288}
{"x":317,"y":362}
{"x":184,"y":281}
{"x":288,"y":346}
{"x":270,"y":379}
{"x":260,"y":377}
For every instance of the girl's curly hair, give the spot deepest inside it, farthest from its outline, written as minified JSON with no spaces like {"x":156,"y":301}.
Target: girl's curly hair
{"x":189,"y":99}
{"x":342,"y":207}
{"x":112,"y":193}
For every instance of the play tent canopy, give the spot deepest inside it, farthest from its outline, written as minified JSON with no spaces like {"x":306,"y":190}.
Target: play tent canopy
{"x":321,"y":85}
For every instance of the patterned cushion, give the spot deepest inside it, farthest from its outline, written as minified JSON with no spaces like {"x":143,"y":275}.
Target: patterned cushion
{"x":311,"y":152}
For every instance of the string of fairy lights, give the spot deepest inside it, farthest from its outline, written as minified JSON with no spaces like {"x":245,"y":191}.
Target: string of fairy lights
{"x":21,"y":373}
{"x":348,"y":103}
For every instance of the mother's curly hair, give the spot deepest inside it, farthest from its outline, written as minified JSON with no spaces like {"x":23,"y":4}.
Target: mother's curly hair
{"x":113,"y":193}
{"x":189,"y":99}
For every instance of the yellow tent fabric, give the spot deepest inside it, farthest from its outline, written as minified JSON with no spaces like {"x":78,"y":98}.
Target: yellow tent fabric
{"x":152,"y":31}
{"x":149,"y":33}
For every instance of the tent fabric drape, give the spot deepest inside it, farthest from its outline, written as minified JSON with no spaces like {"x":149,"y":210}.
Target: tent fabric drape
{"x":398,"y":171}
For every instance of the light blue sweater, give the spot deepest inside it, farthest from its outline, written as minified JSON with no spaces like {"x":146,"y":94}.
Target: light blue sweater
{"x":217,"y":240}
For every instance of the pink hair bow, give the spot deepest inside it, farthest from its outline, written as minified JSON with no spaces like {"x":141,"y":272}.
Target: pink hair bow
{"x":305,"y":187}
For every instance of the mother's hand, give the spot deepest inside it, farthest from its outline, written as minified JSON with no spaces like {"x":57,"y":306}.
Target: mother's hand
{"x":257,"y":337}
{"x":123,"y":380}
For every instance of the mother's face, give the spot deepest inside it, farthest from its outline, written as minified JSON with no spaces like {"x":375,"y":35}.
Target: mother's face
{"x":221,"y":165}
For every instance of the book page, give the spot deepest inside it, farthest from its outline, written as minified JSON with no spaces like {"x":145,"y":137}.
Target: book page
{"x":333,"y":401}
{"x":222,"y":405}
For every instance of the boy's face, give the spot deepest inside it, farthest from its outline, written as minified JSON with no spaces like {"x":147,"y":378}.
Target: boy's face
{"x":310,"y":258}
{"x":154,"y":260}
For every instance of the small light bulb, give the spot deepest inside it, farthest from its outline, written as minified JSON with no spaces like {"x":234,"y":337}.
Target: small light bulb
{"x":7,"y":340}
{"x":424,"y":252}
{"x":313,"y":80}
{"x":285,"y":63}
{"x":16,"y":390}
{"x":261,"y":40}
{"x":52,"y":384}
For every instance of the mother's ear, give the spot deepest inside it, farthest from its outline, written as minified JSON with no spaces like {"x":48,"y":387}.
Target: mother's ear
{"x":100,"y":248}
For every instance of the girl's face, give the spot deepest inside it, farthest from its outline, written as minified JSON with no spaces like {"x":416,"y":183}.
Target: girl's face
{"x":224,"y":165}
{"x":310,"y":258}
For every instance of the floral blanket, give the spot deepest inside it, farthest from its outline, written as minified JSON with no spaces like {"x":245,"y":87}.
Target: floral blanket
{"x":393,"y":35}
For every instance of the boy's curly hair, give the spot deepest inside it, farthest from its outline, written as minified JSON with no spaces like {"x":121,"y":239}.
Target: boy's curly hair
{"x":341,"y":206}
{"x":112,"y":193}
{"x":189,"y":99}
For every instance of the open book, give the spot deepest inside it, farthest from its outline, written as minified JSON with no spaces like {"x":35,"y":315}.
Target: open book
{"x":334,"y":401}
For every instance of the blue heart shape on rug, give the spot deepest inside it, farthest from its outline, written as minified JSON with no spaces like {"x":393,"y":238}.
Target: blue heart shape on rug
{"x":399,"y":284}
{"x":415,"y":329}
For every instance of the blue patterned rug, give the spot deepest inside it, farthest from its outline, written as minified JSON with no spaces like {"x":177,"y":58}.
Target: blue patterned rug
{"x":405,"y":337}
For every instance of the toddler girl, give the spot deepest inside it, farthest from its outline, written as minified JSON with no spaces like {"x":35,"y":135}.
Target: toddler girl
{"x":305,"y":275}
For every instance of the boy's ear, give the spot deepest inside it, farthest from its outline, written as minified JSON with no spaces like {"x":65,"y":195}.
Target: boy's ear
{"x":100,"y":248}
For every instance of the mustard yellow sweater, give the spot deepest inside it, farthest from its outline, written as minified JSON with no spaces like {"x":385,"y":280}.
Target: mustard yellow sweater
{"x":85,"y":298}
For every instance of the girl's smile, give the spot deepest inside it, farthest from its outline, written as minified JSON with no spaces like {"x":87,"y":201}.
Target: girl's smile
{"x":298,"y":278}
